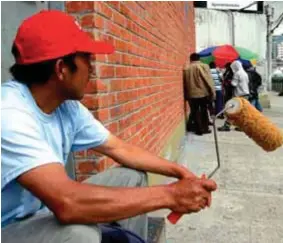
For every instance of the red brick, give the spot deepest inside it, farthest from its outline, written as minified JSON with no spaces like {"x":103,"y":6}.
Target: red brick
{"x":114,"y":58}
{"x":79,"y":6}
{"x":126,"y":59}
{"x":100,"y":86}
{"x":113,"y":127}
{"x":86,"y":167}
{"x":106,"y":71}
{"x":103,"y":9}
{"x":90,"y":34}
{"x":93,"y":154}
{"x":102,"y":114}
{"x":123,"y":96}
{"x":91,"y":87}
{"x":98,"y":22}
{"x":102,"y":101}
{"x":107,"y":38}
{"x":113,"y":29}
{"x":119,"y":19}
{"x":116,"y":111}
{"x":125,"y":72}
{"x":90,"y":101}
{"x":87,"y":21}
{"x":128,"y":84}
{"x":114,"y":4}
{"x":113,"y":99}
{"x":121,"y":45}
{"x":116,"y":85}
{"x":102,"y":165}
{"x":100,"y":58}
{"x":124,"y":10}
{"x":126,"y":35}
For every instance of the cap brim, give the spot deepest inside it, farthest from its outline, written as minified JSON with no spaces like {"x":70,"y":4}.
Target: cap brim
{"x":87,"y":44}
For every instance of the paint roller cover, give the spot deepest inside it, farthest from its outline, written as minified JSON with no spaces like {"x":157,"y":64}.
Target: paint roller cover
{"x":258,"y":127}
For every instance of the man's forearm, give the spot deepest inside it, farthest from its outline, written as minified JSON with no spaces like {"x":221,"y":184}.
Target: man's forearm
{"x":98,"y":204}
{"x":140,"y":159}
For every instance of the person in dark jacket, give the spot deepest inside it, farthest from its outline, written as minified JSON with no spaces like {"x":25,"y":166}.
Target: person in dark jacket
{"x":227,"y":86}
{"x":199,"y":91}
{"x":255,"y":81}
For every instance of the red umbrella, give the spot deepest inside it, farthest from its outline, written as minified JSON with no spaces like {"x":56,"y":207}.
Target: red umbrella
{"x":224,"y":54}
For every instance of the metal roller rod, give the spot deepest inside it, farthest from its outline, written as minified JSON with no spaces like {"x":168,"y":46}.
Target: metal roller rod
{"x":174,"y":217}
{"x":216,"y":139}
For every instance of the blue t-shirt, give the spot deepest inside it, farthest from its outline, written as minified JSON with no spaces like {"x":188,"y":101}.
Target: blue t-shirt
{"x":30,"y":138}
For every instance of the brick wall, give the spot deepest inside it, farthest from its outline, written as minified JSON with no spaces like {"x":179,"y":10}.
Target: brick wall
{"x":137,"y":91}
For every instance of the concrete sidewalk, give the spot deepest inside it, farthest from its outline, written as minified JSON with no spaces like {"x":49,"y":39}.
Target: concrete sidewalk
{"x":248,"y":206}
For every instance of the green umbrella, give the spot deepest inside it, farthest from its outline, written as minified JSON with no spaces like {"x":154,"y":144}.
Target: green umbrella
{"x":246,"y":54}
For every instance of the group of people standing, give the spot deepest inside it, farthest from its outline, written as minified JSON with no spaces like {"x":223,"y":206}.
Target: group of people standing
{"x":207,"y":90}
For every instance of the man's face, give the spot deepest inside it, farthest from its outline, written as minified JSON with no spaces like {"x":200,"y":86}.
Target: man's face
{"x":77,"y":80}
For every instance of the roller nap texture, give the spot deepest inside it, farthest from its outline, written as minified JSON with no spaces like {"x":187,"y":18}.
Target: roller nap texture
{"x":253,"y":123}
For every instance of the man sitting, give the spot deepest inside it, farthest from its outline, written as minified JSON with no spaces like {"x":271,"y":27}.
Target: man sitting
{"x":43,"y":121}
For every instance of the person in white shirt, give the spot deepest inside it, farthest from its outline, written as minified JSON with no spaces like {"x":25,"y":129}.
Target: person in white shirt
{"x":240,"y":80}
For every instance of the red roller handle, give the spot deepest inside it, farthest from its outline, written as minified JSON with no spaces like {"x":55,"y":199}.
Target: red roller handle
{"x":174,"y":217}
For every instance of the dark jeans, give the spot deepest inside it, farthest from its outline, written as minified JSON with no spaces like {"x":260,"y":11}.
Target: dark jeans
{"x":218,"y":104}
{"x":218,"y":101}
{"x":255,"y":102}
{"x":198,"y":120}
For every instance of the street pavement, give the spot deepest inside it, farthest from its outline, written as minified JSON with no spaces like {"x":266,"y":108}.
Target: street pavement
{"x":248,"y":205}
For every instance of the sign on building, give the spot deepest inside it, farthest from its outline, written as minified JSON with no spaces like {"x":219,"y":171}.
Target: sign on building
{"x":234,"y":5}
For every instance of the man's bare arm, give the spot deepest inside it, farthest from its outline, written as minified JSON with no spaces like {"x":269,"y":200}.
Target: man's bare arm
{"x":74,"y":202}
{"x":140,"y":159}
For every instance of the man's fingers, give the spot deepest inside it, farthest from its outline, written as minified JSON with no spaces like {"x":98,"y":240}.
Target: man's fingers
{"x":209,"y":201}
{"x":203,"y":203}
{"x":209,"y":185}
{"x":203,"y":176}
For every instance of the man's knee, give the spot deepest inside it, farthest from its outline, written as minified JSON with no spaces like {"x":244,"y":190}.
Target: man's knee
{"x":81,"y":234}
{"x":143,"y":178}
{"x":137,"y":177}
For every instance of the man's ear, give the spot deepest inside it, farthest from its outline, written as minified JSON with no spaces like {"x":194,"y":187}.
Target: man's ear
{"x":60,"y":69}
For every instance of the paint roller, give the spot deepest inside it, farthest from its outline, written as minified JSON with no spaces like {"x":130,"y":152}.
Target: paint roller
{"x":253,"y":123}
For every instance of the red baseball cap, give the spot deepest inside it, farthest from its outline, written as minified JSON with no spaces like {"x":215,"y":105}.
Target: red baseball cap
{"x":51,"y":34}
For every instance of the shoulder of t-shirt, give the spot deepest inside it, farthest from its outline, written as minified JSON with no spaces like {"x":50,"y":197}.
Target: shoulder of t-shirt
{"x":13,"y":99}
{"x":75,"y":111}
{"x":72,"y":107}
{"x":12,"y":96}
{"x":14,"y":118}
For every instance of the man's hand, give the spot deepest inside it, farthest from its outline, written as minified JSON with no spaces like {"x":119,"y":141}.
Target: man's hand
{"x":184,"y":173}
{"x":191,"y":195}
